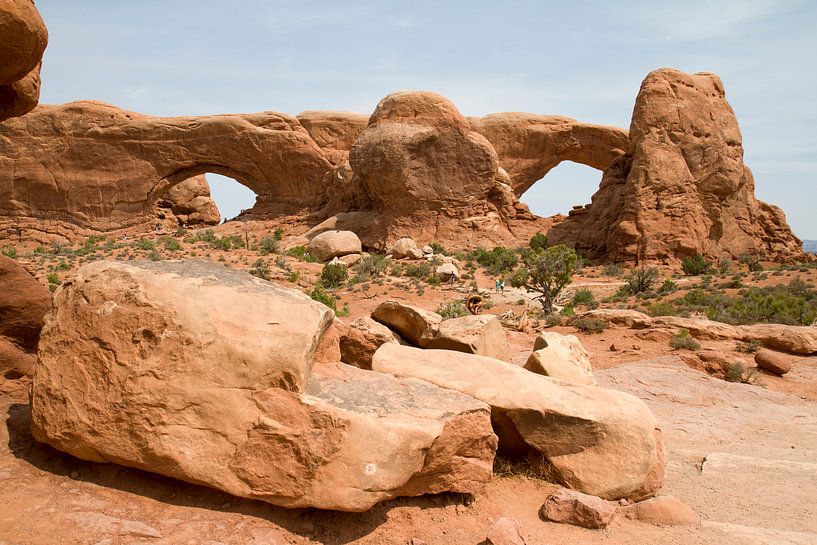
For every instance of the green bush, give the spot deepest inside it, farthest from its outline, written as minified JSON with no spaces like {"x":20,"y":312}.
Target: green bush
{"x":153,"y":255}
{"x":452,"y":309}
{"x":278,"y":234}
{"x":612,"y":270}
{"x":497,"y":261}
{"x":589,"y":325}
{"x":301,"y":253}
{"x":54,"y":279}
{"x":9,"y":251}
{"x":334,"y":275}
{"x":417,"y":270}
{"x":320,"y":295}
{"x":752,"y":262}
{"x":584,"y":297}
{"x":145,"y":244}
{"x":738,"y":372}
{"x":260,"y":269}
{"x":641,"y":280}
{"x":696,"y":265}
{"x":269,"y":245}
{"x":547,"y":272}
{"x":172,"y":244}
{"x":668,"y":286}
{"x":662,"y":309}
{"x":371,"y":266}
{"x":538,"y":242}
{"x":438,"y":248}
{"x":683,"y":341}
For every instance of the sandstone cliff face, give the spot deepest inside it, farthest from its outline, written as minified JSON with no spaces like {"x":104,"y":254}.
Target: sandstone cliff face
{"x":23,"y":38}
{"x":189,"y":203}
{"x":104,"y":168}
{"x":683,"y":188}
{"x":334,"y":132}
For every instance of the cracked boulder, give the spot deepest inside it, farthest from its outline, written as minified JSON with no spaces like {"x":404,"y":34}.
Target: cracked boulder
{"x":204,"y":374}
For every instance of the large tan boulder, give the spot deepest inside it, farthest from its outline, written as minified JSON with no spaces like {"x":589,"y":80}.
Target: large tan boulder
{"x":571,"y":507}
{"x":600,"y":442}
{"x":414,"y":324}
{"x":362,"y":339}
{"x":405,"y":248}
{"x":771,"y":361}
{"x":682,"y":187}
{"x":562,"y":357}
{"x":483,"y":335}
{"x":23,"y":304}
{"x":198,"y":372}
{"x":331,"y":244}
{"x":23,"y":39}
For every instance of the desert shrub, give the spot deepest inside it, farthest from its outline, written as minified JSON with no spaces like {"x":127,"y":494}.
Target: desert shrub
{"x":172,"y":244}
{"x":584,"y":297}
{"x":301,"y":253}
{"x":9,"y":251}
{"x":53,"y":279}
{"x":144,"y":244}
{"x":696,"y":265}
{"x":438,"y":248}
{"x":684,"y":341}
{"x":768,"y":305}
{"x":641,"y":280}
{"x":417,"y":270}
{"x":752,"y":262}
{"x":547,"y":272}
{"x":668,"y":286}
{"x":268,"y":245}
{"x":371,"y":266}
{"x":589,"y":325}
{"x":749,"y":347}
{"x":154,"y":255}
{"x":538,"y":242}
{"x":662,"y":309}
{"x":204,"y":236}
{"x":294,"y":277}
{"x":739,"y":372}
{"x":568,"y":311}
{"x":724,"y":265}
{"x":612,"y":270}
{"x":497,"y":261}
{"x":320,"y":295}
{"x":452,"y":309}
{"x":278,"y":234}
{"x":260,"y":269}
{"x":334,"y":275}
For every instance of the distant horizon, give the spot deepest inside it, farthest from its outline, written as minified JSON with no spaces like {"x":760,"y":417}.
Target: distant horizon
{"x":206,"y":57}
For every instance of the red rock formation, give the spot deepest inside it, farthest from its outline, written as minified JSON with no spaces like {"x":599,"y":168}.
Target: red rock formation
{"x":23,"y":303}
{"x":683,"y":188}
{"x":530,"y":145}
{"x":189,"y":203}
{"x":103,"y":168}
{"x":23,"y":38}
{"x":334,"y":132}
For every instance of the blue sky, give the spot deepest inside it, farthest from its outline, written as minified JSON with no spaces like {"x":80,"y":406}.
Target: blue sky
{"x":584,"y":59}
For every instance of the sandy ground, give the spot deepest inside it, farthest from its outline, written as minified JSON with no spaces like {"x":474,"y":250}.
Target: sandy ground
{"x":743,"y":456}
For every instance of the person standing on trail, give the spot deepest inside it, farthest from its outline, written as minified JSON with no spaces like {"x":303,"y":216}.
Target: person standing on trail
{"x":502,"y":286}
{"x":497,"y":285}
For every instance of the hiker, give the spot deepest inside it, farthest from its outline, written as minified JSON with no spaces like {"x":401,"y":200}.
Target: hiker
{"x":502,"y":286}
{"x":497,"y":285}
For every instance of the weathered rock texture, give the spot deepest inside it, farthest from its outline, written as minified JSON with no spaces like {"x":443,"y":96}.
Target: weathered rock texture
{"x":104,"y":168}
{"x":201,"y":373}
{"x":23,"y":38}
{"x":674,"y":185}
{"x":683,"y":187}
{"x":189,"y":203}
{"x":562,"y":357}
{"x":598,"y":441}
{"x":23,"y":304}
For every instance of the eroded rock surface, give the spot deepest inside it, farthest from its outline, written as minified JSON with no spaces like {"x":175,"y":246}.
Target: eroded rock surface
{"x":598,"y":441}
{"x":23,"y":304}
{"x":562,"y":357}
{"x":201,"y":373}
{"x":683,"y":187}
{"x":23,"y":39}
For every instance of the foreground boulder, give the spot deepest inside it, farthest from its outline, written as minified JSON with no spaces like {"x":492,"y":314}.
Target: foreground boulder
{"x":773,"y":362}
{"x":331,"y":244}
{"x":362,"y":339}
{"x":414,"y":324}
{"x":144,"y":365}
{"x":406,"y":248}
{"x":661,"y":511}
{"x":562,"y":357}
{"x":23,"y":304}
{"x":571,"y":507}
{"x":601,"y":442}
{"x":483,"y":335}
{"x":505,"y":531}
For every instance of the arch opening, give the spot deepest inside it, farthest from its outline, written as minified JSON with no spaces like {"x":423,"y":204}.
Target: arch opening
{"x":230,"y":196}
{"x":566,"y":185}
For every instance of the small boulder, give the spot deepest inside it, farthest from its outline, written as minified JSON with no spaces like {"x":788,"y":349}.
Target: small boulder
{"x":662,"y":511}
{"x":350,"y":259}
{"x":446,"y":271}
{"x":362,"y":339}
{"x":505,"y":531}
{"x":483,"y":335}
{"x":562,"y":357}
{"x":571,"y":507}
{"x":771,"y":361}
{"x":331,"y":244}
{"x":414,"y":324}
{"x":427,"y":249}
{"x":406,"y":248}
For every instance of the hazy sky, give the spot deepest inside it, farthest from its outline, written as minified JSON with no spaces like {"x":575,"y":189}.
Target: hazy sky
{"x":583,"y":59}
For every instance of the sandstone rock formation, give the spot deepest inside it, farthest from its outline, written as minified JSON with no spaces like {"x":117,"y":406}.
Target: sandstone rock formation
{"x":202,"y":373}
{"x":571,"y":507}
{"x":674,"y":185}
{"x":562,"y":357}
{"x":683,"y":187}
{"x":661,"y":511}
{"x":331,"y":244}
{"x":414,"y":324}
{"x":529,"y":145}
{"x":483,"y":335}
{"x":189,"y":203}
{"x":23,"y":38}
{"x":100,"y":167}
{"x":773,"y":362}
{"x":505,"y":531}
{"x":364,"y":336}
{"x":597,"y":441}
{"x":23,"y":304}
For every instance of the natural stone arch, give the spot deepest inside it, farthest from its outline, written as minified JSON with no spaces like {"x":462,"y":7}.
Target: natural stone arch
{"x":530,"y":145}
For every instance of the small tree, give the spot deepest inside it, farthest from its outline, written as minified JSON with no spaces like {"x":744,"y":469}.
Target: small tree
{"x":547,"y":272}
{"x":641,"y":280}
